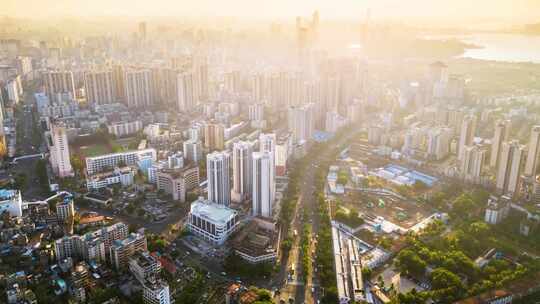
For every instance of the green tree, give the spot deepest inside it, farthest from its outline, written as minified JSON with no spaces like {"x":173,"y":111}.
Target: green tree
{"x":447,"y":285}
{"x":412,"y":297}
{"x":410,"y":263}
{"x":463,"y":207}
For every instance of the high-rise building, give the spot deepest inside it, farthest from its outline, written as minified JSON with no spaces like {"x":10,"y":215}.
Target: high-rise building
{"x":156,"y":292}
{"x":510,"y":164}
{"x":466,"y":137}
{"x":24,"y":66}
{"x":65,"y":209}
{"x":472,"y":163}
{"x":57,"y":143}
{"x":502,"y":131}
{"x":256,"y":112}
{"x":58,"y":82}
{"x":118,"y":83}
{"x":201,"y":77}
{"x":143,"y":266}
{"x":533,"y":151}
{"x":438,"y":142}
{"x":186,"y":92}
{"x":217,"y":166}
{"x":99,"y":87}
{"x":142,"y":30}
{"x":192,"y":150}
{"x":301,"y":122}
{"x":137,"y":88}
{"x":267,"y":143}
{"x":242,"y":170}
{"x":214,"y":136}
{"x":232,"y":81}
{"x":258,"y":87}
{"x":123,"y":250}
{"x":263,"y":184}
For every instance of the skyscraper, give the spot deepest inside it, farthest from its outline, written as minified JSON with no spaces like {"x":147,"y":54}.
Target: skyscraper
{"x":242,"y":170}
{"x":193,"y":150}
{"x":301,"y":122}
{"x":502,"y":131}
{"x":472,"y":163}
{"x":58,"y":82}
{"x":137,"y":88}
{"x":468,"y":129}
{"x":99,"y":87}
{"x":57,"y":143}
{"x":510,"y":164}
{"x":532,"y":153}
{"x":118,"y":82}
{"x":217,"y":167}
{"x":214,"y":136}
{"x":186,"y":97}
{"x":267,"y":144}
{"x":263,"y":184}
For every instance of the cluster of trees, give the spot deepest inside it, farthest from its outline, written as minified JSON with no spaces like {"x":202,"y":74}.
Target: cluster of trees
{"x":192,"y":291}
{"x":447,"y":262}
{"x":43,"y":178}
{"x":263,"y":296}
{"x":325,"y":254}
{"x":156,"y":243}
{"x":351,"y":218}
{"x":235,"y":265}
{"x":305,"y":245}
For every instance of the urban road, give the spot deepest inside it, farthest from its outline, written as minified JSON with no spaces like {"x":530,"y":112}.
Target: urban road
{"x":25,"y":146}
{"x":296,"y":289}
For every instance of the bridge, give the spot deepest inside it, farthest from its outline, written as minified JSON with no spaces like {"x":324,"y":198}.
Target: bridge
{"x":46,"y":201}
{"x":40,"y":155}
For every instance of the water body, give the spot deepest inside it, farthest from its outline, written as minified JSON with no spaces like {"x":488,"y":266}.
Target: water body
{"x":503,"y":47}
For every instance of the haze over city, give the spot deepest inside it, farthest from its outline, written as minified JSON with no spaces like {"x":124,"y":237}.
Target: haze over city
{"x":434,"y":11}
{"x":270,"y":152}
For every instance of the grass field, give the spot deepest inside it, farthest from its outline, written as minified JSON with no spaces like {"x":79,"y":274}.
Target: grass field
{"x":92,"y":150}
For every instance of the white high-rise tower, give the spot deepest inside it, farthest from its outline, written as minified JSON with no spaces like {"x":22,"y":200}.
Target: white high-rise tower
{"x":217,"y":167}
{"x":57,"y":143}
{"x":242,"y":170}
{"x":263,"y":197}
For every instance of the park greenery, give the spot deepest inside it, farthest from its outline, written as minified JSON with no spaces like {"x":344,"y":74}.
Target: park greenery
{"x":446,"y":260}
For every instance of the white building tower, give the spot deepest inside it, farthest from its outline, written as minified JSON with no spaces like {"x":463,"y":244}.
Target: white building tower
{"x":217,"y":167}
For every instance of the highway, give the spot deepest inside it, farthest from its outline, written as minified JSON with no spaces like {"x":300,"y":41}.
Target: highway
{"x":296,"y":289}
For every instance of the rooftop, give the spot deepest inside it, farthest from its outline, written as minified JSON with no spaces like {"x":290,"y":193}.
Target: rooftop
{"x":7,"y":194}
{"x":212,"y":211}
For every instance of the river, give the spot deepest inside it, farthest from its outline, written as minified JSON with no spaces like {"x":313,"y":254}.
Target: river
{"x":503,"y":47}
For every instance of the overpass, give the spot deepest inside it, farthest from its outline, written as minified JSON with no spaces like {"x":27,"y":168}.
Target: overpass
{"x":46,"y":201}
{"x":40,"y":155}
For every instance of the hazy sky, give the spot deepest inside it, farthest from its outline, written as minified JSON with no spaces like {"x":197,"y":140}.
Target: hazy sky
{"x":507,"y":10}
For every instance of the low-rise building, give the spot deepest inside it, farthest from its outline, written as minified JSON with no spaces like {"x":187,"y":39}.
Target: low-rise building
{"x":143,"y":265}
{"x":258,"y":242}
{"x":177,"y":182}
{"x":124,"y":128}
{"x":212,"y":222}
{"x":11,"y":202}
{"x":124,"y":176}
{"x":497,"y":209}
